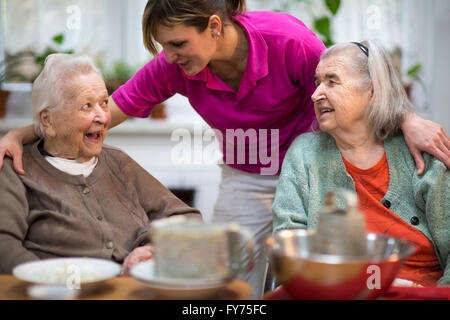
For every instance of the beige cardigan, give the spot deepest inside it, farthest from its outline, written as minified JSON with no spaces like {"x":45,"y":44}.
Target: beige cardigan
{"x":47,"y":213}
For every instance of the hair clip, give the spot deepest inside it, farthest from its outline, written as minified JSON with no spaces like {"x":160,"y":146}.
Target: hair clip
{"x":363,"y":48}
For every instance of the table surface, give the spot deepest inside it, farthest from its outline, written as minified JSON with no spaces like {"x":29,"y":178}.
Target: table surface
{"x":393,"y":293}
{"x":119,"y":288}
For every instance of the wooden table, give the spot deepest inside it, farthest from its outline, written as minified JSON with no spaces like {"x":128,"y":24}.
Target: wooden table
{"x":393,"y":293}
{"x":119,"y":288}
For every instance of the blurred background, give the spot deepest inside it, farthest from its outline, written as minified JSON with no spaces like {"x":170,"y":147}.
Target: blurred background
{"x":414,"y":31}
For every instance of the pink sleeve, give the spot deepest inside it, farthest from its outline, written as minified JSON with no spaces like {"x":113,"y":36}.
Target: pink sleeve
{"x":153,"y":84}
{"x":302,"y":59}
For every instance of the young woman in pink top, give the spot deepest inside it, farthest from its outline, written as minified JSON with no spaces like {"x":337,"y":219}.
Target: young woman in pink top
{"x":250,"y":75}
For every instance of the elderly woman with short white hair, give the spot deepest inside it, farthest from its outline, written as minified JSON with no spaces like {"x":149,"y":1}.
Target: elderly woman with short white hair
{"x":78,"y":197}
{"x":359,"y":104}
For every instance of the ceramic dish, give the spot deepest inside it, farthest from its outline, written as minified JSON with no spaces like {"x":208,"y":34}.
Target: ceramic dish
{"x":177,"y":288}
{"x":73,"y":273}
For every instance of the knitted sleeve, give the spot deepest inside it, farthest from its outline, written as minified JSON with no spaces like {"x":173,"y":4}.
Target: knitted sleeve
{"x":432,"y":195}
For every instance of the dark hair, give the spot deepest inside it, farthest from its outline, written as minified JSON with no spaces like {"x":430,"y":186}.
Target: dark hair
{"x":195,"y":13}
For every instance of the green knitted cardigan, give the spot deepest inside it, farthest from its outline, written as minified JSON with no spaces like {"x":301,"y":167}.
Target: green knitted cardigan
{"x":313,"y":166}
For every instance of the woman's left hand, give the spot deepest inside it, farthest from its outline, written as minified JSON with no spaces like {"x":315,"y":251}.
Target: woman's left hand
{"x":426,"y":136}
{"x":138,"y":255}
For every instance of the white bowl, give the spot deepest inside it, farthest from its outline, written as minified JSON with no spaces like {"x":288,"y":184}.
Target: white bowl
{"x":191,"y":289}
{"x":73,"y":273}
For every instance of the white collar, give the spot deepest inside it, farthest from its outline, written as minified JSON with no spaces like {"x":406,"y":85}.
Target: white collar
{"x":73,"y":167}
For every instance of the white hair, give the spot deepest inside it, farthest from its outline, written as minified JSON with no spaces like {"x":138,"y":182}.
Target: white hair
{"x":49,"y":87}
{"x":389,"y":103}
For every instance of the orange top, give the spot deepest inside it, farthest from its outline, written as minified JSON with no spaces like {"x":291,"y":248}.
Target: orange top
{"x":371,"y":185}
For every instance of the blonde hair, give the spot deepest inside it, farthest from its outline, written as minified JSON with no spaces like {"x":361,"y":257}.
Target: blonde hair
{"x":192,"y":13}
{"x":49,"y":87}
{"x":389,"y":104}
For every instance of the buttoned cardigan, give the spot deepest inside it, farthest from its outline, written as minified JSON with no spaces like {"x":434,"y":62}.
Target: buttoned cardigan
{"x":47,"y":213}
{"x":313,"y":166}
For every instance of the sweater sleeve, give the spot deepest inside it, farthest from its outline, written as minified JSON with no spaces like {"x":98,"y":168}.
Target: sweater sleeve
{"x":432,"y":195}
{"x":302,"y":58}
{"x":290,"y":203}
{"x":13,"y":220}
{"x":157,"y":201}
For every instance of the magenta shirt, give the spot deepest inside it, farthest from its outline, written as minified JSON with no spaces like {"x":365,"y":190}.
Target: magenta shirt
{"x":275,"y":92}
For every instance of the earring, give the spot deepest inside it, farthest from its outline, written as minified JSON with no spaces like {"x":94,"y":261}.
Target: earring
{"x":217,"y":35}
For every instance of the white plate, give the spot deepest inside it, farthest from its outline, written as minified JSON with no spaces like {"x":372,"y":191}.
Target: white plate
{"x":177,"y":288}
{"x":70,"y":272}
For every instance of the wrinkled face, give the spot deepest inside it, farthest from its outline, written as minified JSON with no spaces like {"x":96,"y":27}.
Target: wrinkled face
{"x":340,"y":99}
{"x":79,"y":127}
{"x":188,"y":48}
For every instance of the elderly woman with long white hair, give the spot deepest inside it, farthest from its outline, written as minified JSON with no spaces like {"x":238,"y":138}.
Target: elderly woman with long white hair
{"x":360,"y":103}
{"x":78,"y":196}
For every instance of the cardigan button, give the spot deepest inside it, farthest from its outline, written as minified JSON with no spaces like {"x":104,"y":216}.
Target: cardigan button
{"x":86,"y":190}
{"x":415,"y":221}
{"x":386,"y":203}
{"x":109,"y":245}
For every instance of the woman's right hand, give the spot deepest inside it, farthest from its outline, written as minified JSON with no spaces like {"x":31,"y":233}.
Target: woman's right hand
{"x":11,"y":145}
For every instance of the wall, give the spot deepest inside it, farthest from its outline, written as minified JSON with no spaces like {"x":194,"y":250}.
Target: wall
{"x":440,"y":111}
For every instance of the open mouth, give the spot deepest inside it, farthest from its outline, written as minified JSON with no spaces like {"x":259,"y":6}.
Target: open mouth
{"x":323,"y":111}
{"x":183,"y":65}
{"x":94,"y":137}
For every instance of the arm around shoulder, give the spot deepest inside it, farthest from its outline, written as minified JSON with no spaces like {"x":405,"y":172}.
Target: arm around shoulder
{"x":117,"y":115}
{"x":11,"y":145}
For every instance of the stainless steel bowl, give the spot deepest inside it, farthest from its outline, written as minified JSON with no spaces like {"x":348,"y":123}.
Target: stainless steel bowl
{"x":306,"y":275}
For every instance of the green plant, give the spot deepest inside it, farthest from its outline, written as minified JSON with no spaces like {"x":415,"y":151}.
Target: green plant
{"x":413,"y":73}
{"x":322,"y":24}
{"x":120,"y":73}
{"x":57,"y":41}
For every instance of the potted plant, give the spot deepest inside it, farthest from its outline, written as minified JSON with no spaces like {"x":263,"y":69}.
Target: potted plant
{"x":9,"y":73}
{"x":412,"y":74}
{"x":122,"y":72}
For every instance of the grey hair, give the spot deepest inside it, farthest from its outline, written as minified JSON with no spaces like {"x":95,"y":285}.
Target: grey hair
{"x":389,"y":104}
{"x":49,"y":87}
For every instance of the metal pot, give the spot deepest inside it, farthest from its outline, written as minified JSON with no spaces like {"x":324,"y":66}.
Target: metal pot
{"x":309,"y":275}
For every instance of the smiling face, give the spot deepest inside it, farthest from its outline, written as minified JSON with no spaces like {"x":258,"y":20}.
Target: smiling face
{"x":186,"y":46}
{"x":340,"y":99}
{"x":77,"y":129}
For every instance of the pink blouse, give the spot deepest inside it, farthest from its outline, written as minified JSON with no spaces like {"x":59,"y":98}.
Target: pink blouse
{"x":272,"y":107}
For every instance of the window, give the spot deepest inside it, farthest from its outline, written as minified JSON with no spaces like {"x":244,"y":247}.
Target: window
{"x":107,"y":30}
{"x":404,"y":26}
